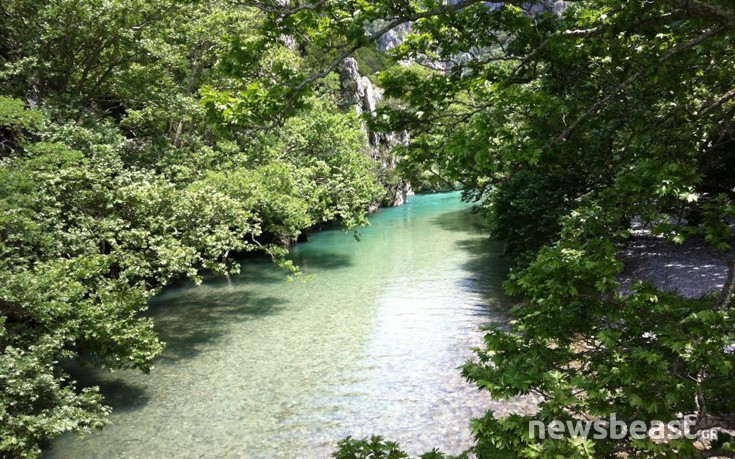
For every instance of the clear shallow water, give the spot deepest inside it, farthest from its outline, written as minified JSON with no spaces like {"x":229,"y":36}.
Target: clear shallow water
{"x":371,"y":344}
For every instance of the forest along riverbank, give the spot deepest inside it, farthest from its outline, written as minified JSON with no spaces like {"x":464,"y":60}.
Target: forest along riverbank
{"x":370,"y":344}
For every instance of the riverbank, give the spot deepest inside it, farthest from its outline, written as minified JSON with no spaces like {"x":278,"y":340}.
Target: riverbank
{"x":692,"y":269}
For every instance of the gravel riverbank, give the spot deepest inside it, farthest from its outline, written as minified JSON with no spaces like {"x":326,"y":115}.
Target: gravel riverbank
{"x":693,"y":269}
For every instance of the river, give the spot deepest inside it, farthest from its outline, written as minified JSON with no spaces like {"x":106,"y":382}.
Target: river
{"x":369,"y":343}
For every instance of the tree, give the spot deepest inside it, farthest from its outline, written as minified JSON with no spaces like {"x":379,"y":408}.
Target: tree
{"x":592,"y":115}
{"x":123,"y":168}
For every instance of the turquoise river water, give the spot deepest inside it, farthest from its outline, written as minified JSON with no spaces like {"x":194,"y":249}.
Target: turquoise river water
{"x":370,"y":344}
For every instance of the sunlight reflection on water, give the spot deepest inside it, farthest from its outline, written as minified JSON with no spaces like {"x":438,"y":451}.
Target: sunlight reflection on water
{"x":269,"y":369}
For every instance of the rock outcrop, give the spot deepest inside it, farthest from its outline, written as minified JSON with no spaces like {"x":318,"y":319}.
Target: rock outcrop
{"x":397,"y":35}
{"x":393,"y":38}
{"x":536,"y":7}
{"x":360,"y":94}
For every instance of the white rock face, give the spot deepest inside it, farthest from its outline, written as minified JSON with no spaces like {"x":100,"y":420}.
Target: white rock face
{"x":359,"y":92}
{"x":353,"y":85}
{"x":370,"y":99}
{"x":536,"y":7}
{"x":393,"y":38}
{"x":397,"y":36}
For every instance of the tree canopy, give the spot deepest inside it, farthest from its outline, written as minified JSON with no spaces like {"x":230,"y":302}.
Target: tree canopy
{"x":133,"y":152}
{"x":146,"y":141}
{"x":566,"y":121}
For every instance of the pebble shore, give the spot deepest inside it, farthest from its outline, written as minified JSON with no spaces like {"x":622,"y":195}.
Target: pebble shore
{"x":692,"y":269}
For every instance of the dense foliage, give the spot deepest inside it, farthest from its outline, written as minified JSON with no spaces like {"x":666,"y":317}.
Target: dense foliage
{"x":566,"y":125}
{"x":145,"y":141}
{"x":135,"y":149}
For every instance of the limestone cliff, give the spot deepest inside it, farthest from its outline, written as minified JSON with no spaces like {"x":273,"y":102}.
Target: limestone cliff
{"x":361,"y":95}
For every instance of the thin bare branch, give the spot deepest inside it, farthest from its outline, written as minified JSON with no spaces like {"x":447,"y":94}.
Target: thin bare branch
{"x":446,"y":9}
{"x":592,"y":32}
{"x":718,"y":103}
{"x":633,"y":78}
{"x":728,"y":290}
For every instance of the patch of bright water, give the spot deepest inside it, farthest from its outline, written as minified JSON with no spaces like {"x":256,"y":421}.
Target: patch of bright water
{"x":265,"y":368}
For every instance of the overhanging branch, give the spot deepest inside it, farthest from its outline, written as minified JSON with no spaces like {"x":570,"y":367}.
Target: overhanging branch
{"x":696,"y":8}
{"x":592,"y":110}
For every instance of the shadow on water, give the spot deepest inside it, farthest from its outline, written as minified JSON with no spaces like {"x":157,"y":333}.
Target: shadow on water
{"x":119,"y":394}
{"x":321,"y":260}
{"x":463,"y":220}
{"x":123,"y":396}
{"x":189,"y":321}
{"x":487,"y":271}
{"x":486,"y":267}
